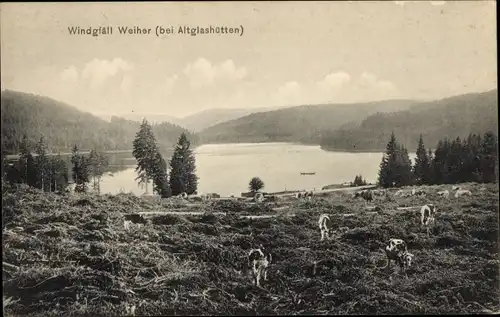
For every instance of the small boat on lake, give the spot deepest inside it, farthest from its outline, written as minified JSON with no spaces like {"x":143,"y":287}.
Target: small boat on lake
{"x":304,"y":173}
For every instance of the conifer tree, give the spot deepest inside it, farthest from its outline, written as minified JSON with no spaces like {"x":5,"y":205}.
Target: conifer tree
{"x":80,"y":170}
{"x":421,"y":168}
{"x":59,"y":173}
{"x":42,"y":166}
{"x":160,"y":177}
{"x":489,"y":158}
{"x":183,"y":168}
{"x":98,"y":162}
{"x":144,"y":152}
{"x":395,"y":168}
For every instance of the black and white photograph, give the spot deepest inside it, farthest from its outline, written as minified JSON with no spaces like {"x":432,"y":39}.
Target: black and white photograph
{"x":249,"y":158}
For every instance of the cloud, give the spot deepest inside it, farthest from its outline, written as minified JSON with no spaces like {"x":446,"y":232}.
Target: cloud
{"x":334,"y":80}
{"x":98,"y":70}
{"x":202,"y":72}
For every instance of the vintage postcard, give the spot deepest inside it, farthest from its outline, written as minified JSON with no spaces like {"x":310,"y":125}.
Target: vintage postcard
{"x":249,"y":158}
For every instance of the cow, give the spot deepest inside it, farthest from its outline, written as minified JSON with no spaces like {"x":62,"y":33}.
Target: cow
{"x":323,"y":226}
{"x":309,"y":195}
{"x":365,"y":194}
{"x":444,"y":193}
{"x":198,"y":198}
{"x":126,"y":224}
{"x":300,"y":195}
{"x":397,"y":250}
{"x":259,"y":197}
{"x":417,"y":192}
{"x":427,"y":214}
{"x":183,"y":195}
{"x":462,"y":192}
{"x":259,"y":263}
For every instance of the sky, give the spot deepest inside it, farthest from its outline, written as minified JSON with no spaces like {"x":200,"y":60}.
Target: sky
{"x":290,"y":53}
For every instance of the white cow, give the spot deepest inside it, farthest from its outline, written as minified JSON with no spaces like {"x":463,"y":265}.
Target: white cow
{"x":259,"y":263}
{"x":444,"y":193}
{"x":427,"y":213}
{"x":397,"y":250}
{"x":462,"y":192}
{"x":323,"y":226}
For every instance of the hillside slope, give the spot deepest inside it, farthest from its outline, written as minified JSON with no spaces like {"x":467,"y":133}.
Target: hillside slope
{"x":207,"y":118}
{"x":63,"y":126}
{"x":297,"y":124}
{"x":449,"y":117}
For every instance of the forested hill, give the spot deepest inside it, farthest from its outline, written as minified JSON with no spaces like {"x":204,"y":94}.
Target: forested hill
{"x":436,"y":120}
{"x":63,"y":126}
{"x":303,"y":124}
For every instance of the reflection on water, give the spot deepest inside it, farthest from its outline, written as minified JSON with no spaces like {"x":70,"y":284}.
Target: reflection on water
{"x":227,"y":168}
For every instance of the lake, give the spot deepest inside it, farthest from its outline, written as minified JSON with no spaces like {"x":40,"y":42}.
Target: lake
{"x":226,"y":169}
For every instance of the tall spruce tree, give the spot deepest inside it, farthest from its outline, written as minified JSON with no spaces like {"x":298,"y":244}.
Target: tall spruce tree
{"x":80,"y":170}
{"x":395,"y":168}
{"x":145,"y":152}
{"x":42,"y":166}
{"x":183,"y":168}
{"x":59,"y":173}
{"x":422,"y":166}
{"x":98,"y":162}
{"x":26,"y":164}
{"x":489,"y":158}
{"x":160,"y":177}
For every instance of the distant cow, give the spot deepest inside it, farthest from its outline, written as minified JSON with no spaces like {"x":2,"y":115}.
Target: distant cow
{"x":198,"y":198}
{"x":300,"y":195}
{"x":135,"y":218}
{"x":258,"y":262}
{"x":323,"y":221}
{"x":427,"y":214}
{"x":444,"y":193}
{"x":397,"y":250}
{"x":183,"y":195}
{"x":378,"y":193}
{"x":365,"y":194}
{"x":417,"y":192}
{"x":462,"y":192}
{"x":259,"y":197}
{"x":398,"y":193}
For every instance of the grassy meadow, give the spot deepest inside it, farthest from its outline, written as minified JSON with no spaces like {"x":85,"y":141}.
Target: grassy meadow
{"x":71,"y":256}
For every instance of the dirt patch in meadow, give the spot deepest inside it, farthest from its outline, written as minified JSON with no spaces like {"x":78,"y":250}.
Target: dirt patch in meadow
{"x":71,"y":256}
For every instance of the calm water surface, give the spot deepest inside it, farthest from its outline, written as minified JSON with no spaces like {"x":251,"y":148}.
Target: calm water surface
{"x":227,"y":168}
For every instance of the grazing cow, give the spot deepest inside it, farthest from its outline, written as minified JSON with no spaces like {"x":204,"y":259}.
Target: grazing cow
{"x":462,"y":192}
{"x":427,"y":213}
{"x":365,"y":194}
{"x":444,"y":193}
{"x":323,"y":226}
{"x":417,"y":192}
{"x":135,"y":218}
{"x":259,"y":262}
{"x":259,"y":197}
{"x":397,"y":250}
{"x":126,"y":224}
{"x":309,"y":195}
{"x":196,"y":198}
{"x":300,"y":195}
